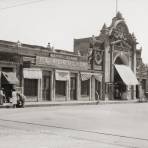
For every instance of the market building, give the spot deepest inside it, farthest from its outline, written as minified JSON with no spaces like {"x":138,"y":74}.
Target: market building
{"x":100,"y":67}
{"x":118,"y":47}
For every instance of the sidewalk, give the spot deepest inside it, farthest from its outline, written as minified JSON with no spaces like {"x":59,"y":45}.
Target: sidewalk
{"x":66,"y":103}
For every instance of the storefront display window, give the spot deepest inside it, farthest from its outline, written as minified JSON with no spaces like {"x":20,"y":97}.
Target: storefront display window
{"x":61,"y":88}
{"x":85,"y":88}
{"x":30,"y":87}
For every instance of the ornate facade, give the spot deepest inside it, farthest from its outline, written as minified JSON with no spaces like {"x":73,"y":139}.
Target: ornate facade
{"x":100,"y":67}
{"x":116,"y":46}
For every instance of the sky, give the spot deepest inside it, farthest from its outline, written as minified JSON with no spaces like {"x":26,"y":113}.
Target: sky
{"x":61,"y":21}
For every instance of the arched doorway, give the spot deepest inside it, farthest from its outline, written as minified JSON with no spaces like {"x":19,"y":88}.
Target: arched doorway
{"x":120,"y":88}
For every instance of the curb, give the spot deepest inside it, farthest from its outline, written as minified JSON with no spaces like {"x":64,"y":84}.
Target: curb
{"x":46,"y":104}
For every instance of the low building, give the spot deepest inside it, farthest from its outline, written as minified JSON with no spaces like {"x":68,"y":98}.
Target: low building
{"x":100,"y":67}
{"x":142,"y":75}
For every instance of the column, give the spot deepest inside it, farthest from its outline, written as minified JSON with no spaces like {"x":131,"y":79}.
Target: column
{"x":78,"y":87}
{"x":93,"y":89}
{"x":15,"y":71}
{"x":39,"y":97}
{"x":111,"y":96}
{"x":134,"y":64}
{"x":128,"y":92}
{"x":90,"y":85}
{"x":68,"y":90}
{"x":101,"y":90}
{"x":52,"y":86}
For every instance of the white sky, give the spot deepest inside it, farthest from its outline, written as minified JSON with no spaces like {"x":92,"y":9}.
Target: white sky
{"x":60,"y":21}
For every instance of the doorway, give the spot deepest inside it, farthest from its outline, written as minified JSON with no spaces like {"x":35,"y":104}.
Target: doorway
{"x":97,"y":89}
{"x":46,"y":88}
{"x":73,"y":84}
{"x":119,"y":87}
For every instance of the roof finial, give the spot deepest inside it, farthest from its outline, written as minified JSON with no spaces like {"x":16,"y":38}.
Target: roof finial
{"x":119,"y":15}
{"x":104,"y":29}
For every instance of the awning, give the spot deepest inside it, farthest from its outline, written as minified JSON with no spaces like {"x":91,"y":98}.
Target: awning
{"x":127,"y":75}
{"x":98,"y":77}
{"x":85,"y":76}
{"x":32,"y":73}
{"x":10,"y":77}
{"x":62,"y":75}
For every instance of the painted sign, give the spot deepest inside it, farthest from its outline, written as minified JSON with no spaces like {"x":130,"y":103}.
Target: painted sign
{"x":62,"y":63}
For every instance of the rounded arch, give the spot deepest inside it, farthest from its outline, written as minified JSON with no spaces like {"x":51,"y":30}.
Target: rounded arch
{"x":120,"y":88}
{"x":121,"y":58}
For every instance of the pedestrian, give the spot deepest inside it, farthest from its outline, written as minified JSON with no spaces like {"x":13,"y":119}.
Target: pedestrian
{"x":21,"y":99}
{"x":141,"y":94}
{"x":14,"y":98}
{"x":2,"y":96}
{"x":97,"y":97}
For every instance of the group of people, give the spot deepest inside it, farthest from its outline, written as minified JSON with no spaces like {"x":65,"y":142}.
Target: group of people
{"x":17,"y":99}
{"x":120,"y":94}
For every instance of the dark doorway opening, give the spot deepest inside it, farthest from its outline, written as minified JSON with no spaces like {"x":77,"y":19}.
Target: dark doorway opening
{"x":97,"y":89}
{"x":119,"y":87}
{"x":73,"y":83}
{"x":46,"y":88}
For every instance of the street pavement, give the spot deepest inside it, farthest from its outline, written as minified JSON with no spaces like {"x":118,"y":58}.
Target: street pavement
{"x":82,"y":126}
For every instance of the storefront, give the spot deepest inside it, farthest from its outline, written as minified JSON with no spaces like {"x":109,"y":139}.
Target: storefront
{"x":8,"y":73}
{"x":62,"y":79}
{"x":32,"y":84}
{"x":124,"y":78}
{"x":67,"y":81}
{"x":115,"y":51}
{"x":9,"y":81}
{"x":101,"y":67}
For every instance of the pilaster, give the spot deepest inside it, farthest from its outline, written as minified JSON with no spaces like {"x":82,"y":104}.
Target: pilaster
{"x":92,"y":88}
{"x":68,"y":90}
{"x":52,"y":86}
{"x":78,"y":87}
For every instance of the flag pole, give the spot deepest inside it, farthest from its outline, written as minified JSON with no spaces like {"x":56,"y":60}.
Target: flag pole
{"x":116,"y":6}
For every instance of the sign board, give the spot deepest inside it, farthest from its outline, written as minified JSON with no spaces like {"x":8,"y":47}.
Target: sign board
{"x":62,"y":63}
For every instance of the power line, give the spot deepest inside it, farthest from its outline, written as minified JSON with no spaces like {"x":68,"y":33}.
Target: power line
{"x":21,"y":4}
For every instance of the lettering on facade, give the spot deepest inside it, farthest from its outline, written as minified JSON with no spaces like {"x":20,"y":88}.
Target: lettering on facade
{"x":67,"y":57}
{"x":61,"y":63}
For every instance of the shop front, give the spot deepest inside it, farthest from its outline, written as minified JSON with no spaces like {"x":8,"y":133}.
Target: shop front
{"x":62,"y":81}
{"x":67,"y":82}
{"x":32,"y":84}
{"x":124,"y":79}
{"x":73,"y":86}
{"x":9,"y":81}
{"x":46,"y":85}
{"x":86,"y":86}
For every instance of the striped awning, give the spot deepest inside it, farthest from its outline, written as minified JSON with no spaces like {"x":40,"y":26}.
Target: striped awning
{"x":127,"y":75}
{"x":85,"y":76}
{"x":10,"y":78}
{"x":32,"y":73}
{"x":62,"y":75}
{"x":98,"y":77}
